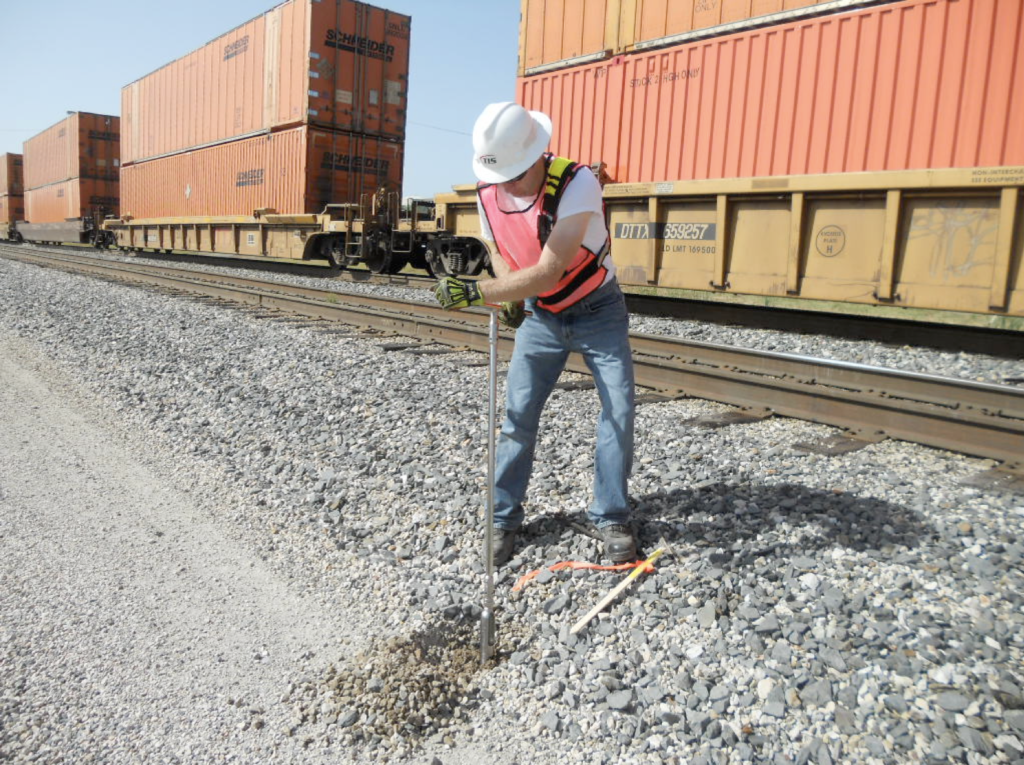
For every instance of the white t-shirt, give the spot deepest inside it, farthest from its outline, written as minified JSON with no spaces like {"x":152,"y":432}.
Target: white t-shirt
{"x":580,"y":195}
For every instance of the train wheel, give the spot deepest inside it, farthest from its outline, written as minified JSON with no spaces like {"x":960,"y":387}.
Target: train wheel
{"x":418,"y":259}
{"x":446,"y":261}
{"x":397,"y":263}
{"x":376,"y":257}
{"x":333,"y":251}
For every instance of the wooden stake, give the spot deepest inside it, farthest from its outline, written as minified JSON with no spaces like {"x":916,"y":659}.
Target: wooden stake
{"x":615,"y":592}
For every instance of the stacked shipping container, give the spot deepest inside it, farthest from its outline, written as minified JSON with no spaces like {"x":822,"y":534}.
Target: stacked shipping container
{"x":12,"y":199}
{"x":297,"y":108}
{"x":71,"y":170}
{"x":291,"y":171}
{"x":895,"y":86}
{"x":556,"y":33}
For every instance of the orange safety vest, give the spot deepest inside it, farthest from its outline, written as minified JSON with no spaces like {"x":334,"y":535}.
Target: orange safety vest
{"x":521,"y":236}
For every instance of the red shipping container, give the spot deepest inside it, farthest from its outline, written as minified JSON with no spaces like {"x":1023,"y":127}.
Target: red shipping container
{"x":11,"y":180}
{"x":337,"y":64}
{"x":83,"y":145}
{"x":917,"y":84}
{"x":292,"y":172}
{"x":72,"y":200}
{"x":12,"y":208}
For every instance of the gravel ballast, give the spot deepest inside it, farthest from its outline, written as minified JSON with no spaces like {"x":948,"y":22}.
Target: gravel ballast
{"x":228,"y":538}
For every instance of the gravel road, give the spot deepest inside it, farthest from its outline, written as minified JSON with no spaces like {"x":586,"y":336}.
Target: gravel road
{"x":229,"y":537}
{"x":136,"y":626}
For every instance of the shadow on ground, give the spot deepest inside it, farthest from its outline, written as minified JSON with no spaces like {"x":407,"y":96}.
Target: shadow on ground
{"x":744,"y":521}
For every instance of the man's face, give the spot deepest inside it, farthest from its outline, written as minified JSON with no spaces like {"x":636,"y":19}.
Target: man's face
{"x":526,"y":184}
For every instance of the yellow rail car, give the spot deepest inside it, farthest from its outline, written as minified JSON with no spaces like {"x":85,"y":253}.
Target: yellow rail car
{"x":934,"y":241}
{"x":924,"y":245}
{"x":378,"y":232}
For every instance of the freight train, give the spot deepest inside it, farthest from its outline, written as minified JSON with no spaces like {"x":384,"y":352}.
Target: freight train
{"x":843,"y":156}
{"x":65,"y":185}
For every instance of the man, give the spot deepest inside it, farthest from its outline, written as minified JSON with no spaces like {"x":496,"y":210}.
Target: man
{"x":545,"y":216}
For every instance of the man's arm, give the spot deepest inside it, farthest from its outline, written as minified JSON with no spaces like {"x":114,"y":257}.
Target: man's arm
{"x":498,"y":264}
{"x":562,"y":246}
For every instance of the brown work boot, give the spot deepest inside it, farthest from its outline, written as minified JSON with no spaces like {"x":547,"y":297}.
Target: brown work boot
{"x":502,"y":542}
{"x":619,"y":544}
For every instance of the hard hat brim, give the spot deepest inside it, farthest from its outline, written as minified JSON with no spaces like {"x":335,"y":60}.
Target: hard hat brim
{"x":490,"y":175}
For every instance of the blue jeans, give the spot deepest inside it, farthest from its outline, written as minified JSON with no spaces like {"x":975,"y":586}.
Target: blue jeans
{"x":598,"y":328}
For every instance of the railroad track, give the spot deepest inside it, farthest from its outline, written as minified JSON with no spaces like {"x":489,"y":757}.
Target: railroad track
{"x":868,"y":403}
{"x":940,"y":336}
{"x":319,"y":269}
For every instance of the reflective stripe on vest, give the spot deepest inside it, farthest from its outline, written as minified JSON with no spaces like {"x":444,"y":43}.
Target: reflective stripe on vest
{"x":521,"y":235}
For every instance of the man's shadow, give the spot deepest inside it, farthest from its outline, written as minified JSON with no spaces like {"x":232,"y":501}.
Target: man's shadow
{"x":745,"y":520}
{"x":735,"y":523}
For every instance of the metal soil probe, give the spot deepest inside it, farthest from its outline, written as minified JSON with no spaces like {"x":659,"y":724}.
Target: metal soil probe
{"x":487,"y":634}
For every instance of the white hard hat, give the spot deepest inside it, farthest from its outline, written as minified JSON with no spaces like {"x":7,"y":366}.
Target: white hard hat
{"x":507,"y":139}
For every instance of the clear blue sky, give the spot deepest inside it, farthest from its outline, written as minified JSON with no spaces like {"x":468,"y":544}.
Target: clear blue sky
{"x":68,"y":55}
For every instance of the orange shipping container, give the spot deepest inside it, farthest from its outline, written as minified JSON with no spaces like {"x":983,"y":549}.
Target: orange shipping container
{"x":11,"y":181}
{"x":83,"y":145}
{"x":291,"y":172}
{"x":917,"y":84}
{"x":12,"y":208}
{"x":71,"y":200}
{"x":552,"y":32}
{"x":337,"y":64}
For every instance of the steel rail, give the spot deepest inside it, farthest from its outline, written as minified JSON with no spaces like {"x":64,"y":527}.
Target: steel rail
{"x":967,"y":417}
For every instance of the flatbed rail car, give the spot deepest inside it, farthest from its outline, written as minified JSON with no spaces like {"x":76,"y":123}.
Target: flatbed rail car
{"x":376,"y":232}
{"x":87,"y":230}
{"x":923,"y":245}
{"x":946,"y":244}
{"x":943,"y":245}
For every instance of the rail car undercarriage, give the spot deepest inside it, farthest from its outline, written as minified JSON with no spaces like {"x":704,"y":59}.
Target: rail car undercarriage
{"x":76,"y":231}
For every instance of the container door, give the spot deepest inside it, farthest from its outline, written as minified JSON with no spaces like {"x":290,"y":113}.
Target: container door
{"x":358,"y":68}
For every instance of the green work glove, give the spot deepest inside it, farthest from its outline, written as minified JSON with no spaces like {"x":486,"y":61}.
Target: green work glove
{"x":512,"y":315}
{"x":454,"y":293}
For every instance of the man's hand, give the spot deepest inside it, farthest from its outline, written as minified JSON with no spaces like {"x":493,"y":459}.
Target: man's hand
{"x":453,"y":293}
{"x":512,"y":315}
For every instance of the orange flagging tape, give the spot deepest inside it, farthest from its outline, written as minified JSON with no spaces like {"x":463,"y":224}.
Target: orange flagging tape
{"x":580,"y":564}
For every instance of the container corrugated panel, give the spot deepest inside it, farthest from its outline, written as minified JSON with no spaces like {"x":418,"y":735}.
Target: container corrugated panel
{"x":74,"y":199}
{"x":654,"y":19}
{"x":556,"y":31}
{"x":293,"y":171}
{"x":83,"y":145}
{"x":12,"y":208}
{"x":11,"y":179}
{"x":917,"y":84}
{"x":337,"y":64}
